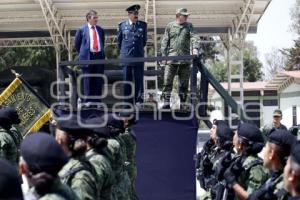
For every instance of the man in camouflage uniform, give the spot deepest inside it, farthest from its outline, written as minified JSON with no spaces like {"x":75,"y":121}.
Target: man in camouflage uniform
{"x":42,"y":158}
{"x":176,"y":41}
{"x":291,"y":174}
{"x":277,"y":117}
{"x":246,"y":173}
{"x":8,"y":148}
{"x":276,"y":152}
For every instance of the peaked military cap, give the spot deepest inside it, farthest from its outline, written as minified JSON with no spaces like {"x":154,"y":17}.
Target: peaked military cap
{"x":133,"y":8}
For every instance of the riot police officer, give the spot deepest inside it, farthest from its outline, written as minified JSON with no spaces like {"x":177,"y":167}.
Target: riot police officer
{"x":132,"y":38}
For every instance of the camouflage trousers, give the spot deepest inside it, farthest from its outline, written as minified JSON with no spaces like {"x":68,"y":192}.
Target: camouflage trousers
{"x":183,"y":72}
{"x":132,"y":173}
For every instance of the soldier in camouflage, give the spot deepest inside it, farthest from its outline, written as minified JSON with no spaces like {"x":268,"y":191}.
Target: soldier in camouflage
{"x":129,"y":139}
{"x":276,"y":152}
{"x":204,"y":159}
{"x":291,"y":174}
{"x":8,"y":143}
{"x":95,"y":154}
{"x":220,"y":161}
{"x":42,"y":158}
{"x":177,"y":41}
{"x":116,"y":147}
{"x":78,"y":173}
{"x":277,"y":117}
{"x":246,"y":173}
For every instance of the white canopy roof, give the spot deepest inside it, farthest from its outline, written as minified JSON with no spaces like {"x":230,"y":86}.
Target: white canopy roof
{"x":209,"y":15}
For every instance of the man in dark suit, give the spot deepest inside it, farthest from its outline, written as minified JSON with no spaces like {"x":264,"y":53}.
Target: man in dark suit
{"x":89,"y":43}
{"x":132,"y":38}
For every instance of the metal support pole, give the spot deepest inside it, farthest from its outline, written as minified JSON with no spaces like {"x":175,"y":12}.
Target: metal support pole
{"x":60,"y":78}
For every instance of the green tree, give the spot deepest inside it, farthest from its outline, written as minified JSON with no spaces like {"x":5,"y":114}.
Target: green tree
{"x":38,"y":56}
{"x":252,"y":69}
{"x":293,"y":53}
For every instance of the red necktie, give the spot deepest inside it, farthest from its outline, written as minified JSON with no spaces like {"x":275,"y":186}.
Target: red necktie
{"x":95,"y":39}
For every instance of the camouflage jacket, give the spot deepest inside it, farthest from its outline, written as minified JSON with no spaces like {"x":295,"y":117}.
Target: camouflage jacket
{"x":275,"y":189}
{"x":116,"y":156}
{"x":17,"y":136}
{"x":57,"y":191}
{"x":104,"y":172}
{"x":253,"y":174}
{"x":80,"y":175}
{"x":269,"y":127}
{"x":177,"y":39}
{"x":123,"y":178}
{"x":8,"y":149}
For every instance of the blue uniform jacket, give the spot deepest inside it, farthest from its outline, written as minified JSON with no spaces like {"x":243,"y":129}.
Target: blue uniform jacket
{"x":131,"y":41}
{"x":82,"y":41}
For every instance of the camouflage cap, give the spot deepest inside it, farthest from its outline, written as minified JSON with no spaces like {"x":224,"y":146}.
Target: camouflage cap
{"x":182,"y":11}
{"x":277,"y":112}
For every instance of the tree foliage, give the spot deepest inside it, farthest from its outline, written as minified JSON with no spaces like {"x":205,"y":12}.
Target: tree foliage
{"x":252,"y":68}
{"x":44,"y":57}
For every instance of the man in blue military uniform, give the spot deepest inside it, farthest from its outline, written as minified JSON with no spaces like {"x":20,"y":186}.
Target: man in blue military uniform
{"x":132,"y":38}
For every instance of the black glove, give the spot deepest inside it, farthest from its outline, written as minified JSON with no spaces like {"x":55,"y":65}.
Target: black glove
{"x":230,"y":178}
{"x":237,"y":166}
{"x":208,"y":144}
{"x":223,"y":165}
{"x":268,"y":187}
{"x":207,"y":165}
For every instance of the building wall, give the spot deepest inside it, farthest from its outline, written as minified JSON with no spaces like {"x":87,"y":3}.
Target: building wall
{"x":288,"y":98}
